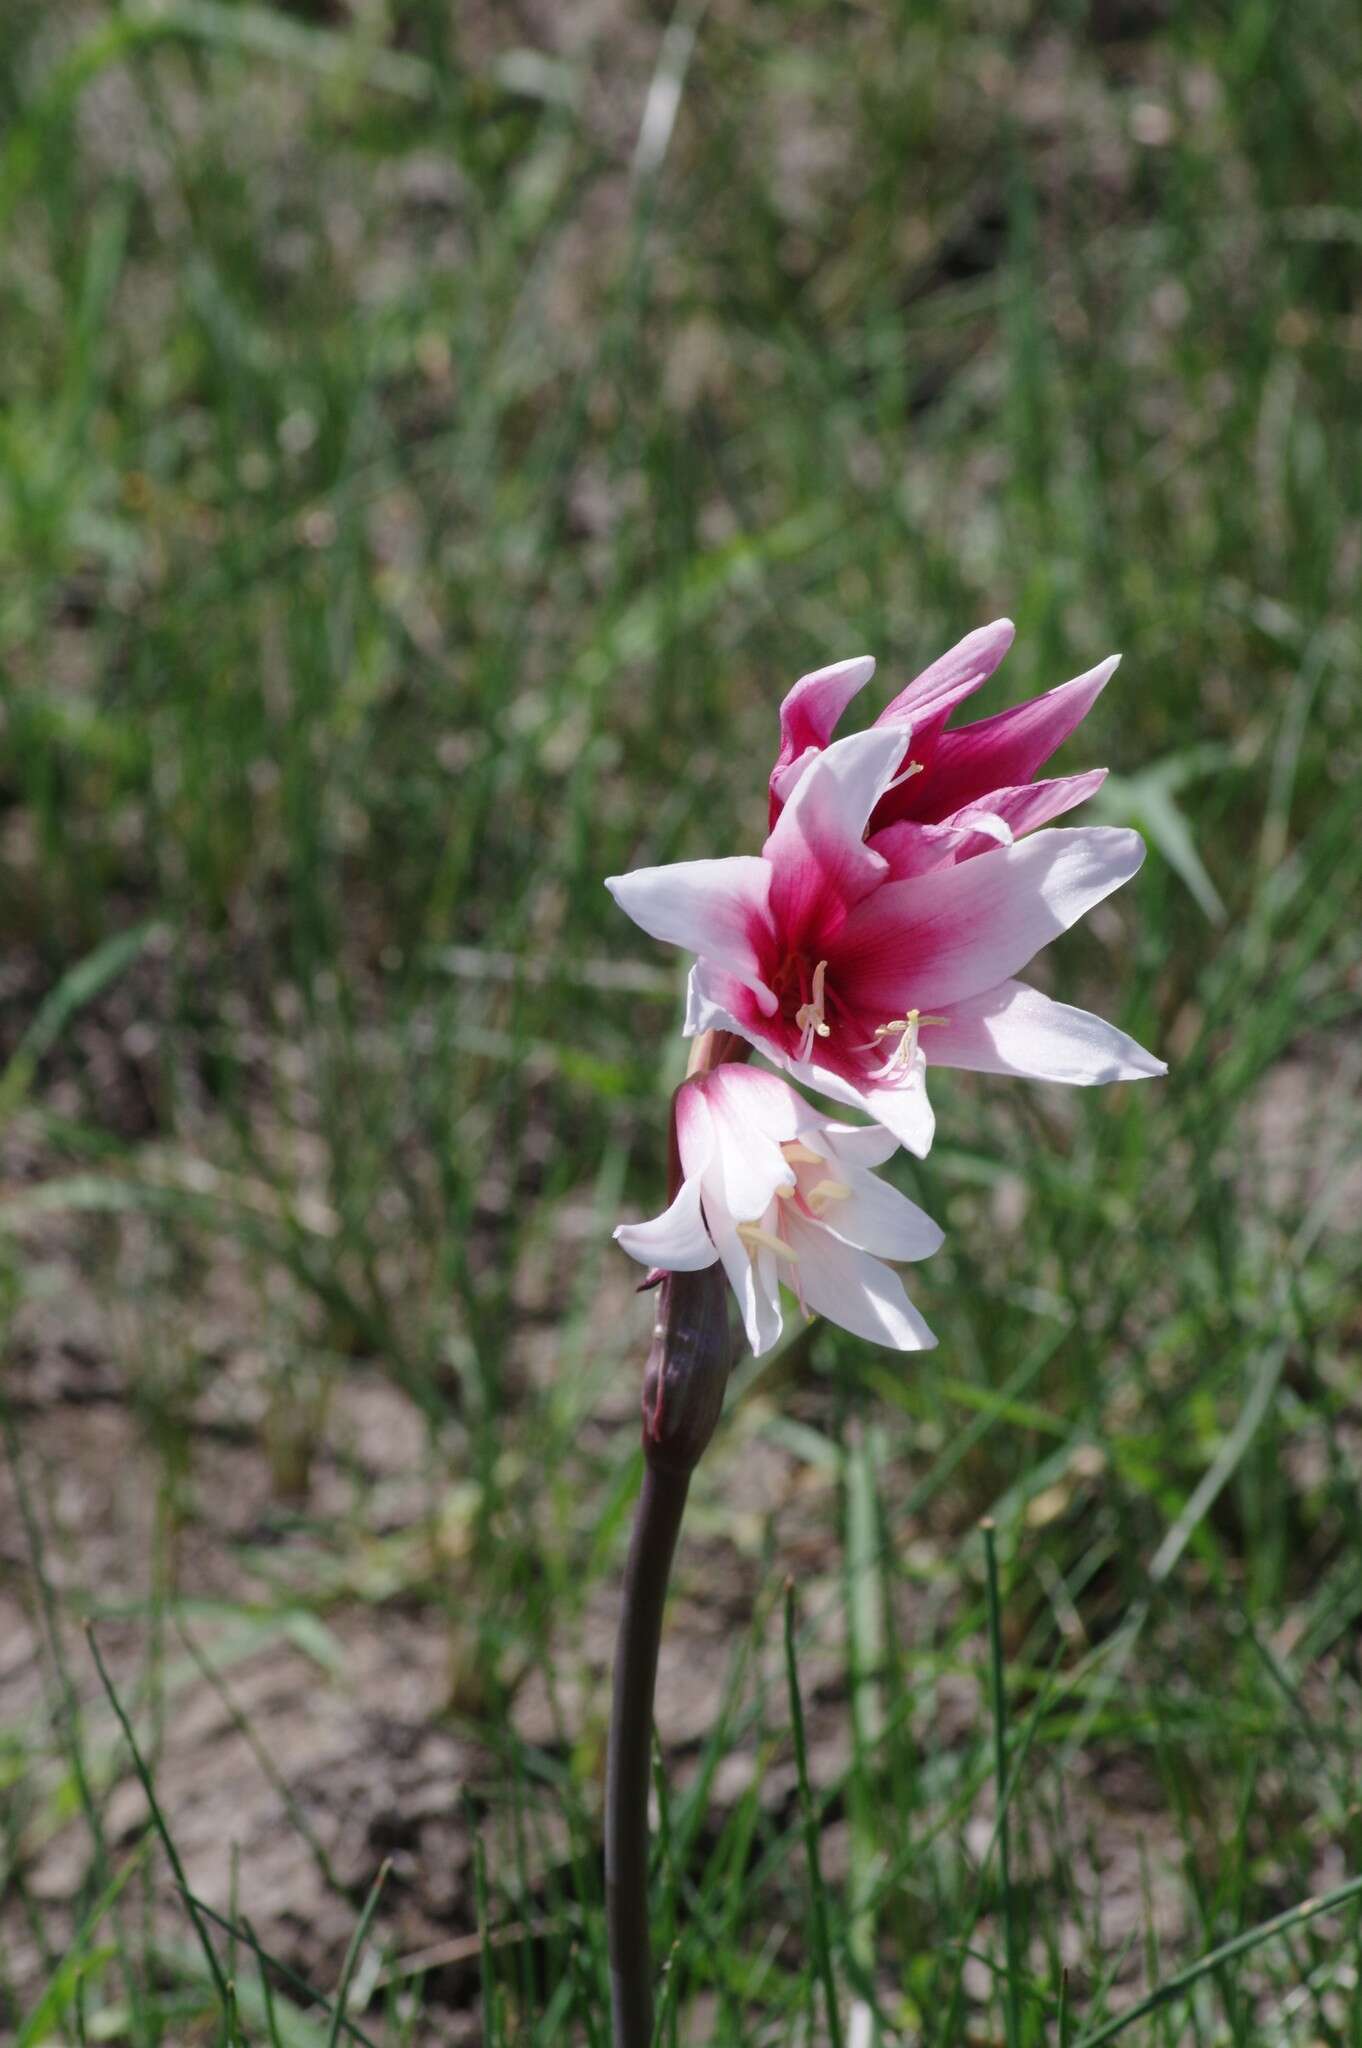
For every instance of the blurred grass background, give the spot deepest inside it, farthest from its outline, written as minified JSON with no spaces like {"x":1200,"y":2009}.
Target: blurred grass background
{"x":433,"y":438}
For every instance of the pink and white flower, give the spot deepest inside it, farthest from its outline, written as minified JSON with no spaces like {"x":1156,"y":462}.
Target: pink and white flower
{"x":780,"y":1194}
{"x":944,"y":777}
{"x":853,"y":963}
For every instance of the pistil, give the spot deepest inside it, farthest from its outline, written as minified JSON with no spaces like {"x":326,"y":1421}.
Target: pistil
{"x":809,"y":1016}
{"x":905,"y":774}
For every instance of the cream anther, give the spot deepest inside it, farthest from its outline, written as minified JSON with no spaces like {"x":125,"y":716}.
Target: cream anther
{"x":826,"y":1191}
{"x":756,"y":1239}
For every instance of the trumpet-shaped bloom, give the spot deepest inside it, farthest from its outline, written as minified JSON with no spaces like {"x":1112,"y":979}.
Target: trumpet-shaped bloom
{"x":943,"y":776}
{"x":779,"y":1194}
{"x":853,"y":962}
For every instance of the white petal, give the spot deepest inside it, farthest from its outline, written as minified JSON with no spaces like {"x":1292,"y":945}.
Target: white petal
{"x":877,"y":1218}
{"x":770,"y":1319}
{"x":676,"y":1240}
{"x":695,"y":1138}
{"x":750,"y":1099}
{"x":905,"y":1109}
{"x":856,"y":1291}
{"x":822,"y":1080}
{"x":1014,"y":1029}
{"x":754,"y":1283}
{"x":704,"y":1010}
{"x":864,"y":1145}
{"x":751,"y":1114}
{"x":713,"y":908}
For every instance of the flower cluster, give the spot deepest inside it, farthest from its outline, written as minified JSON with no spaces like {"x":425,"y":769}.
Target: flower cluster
{"x":902,"y":887}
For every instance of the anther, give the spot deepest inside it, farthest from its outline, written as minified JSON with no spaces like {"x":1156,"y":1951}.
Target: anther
{"x":756,"y":1239}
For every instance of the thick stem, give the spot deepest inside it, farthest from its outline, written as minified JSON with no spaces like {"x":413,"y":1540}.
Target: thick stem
{"x":683,"y":1396}
{"x":657,"y":1522}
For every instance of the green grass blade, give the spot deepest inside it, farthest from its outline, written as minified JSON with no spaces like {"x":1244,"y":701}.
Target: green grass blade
{"x":998,"y":1695}
{"x":1241,"y":1944}
{"x":818,"y":1898}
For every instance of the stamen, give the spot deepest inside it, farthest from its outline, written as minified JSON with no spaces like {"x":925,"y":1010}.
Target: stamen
{"x":827,"y":1191}
{"x":800,"y":1154}
{"x":905,"y":1029}
{"x":809,"y":1016}
{"x":756,"y":1239}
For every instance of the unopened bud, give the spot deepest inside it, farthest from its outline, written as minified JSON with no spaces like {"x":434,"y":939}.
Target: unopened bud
{"x":687,"y":1369}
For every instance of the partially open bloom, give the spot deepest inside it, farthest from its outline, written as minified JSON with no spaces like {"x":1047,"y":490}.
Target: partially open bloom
{"x":779,"y":1194}
{"x":853,"y":963}
{"x":944,"y":778}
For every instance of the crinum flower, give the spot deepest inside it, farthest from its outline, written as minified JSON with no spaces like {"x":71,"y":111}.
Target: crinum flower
{"x":853,"y":965}
{"x":778,"y":1194}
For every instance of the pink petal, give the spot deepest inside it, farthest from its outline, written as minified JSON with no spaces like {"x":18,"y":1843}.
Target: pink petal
{"x":676,"y":1240}
{"x":1014,"y":1029}
{"x":944,"y":937}
{"x":1003,"y":815}
{"x":717,"y":909}
{"x":1024,"y":807}
{"x":956,"y":675}
{"x":911,"y":849}
{"x":820,"y":862}
{"x":981,"y":821}
{"x":809,"y":715}
{"x":717,"y":1002}
{"x":1007,"y":748}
